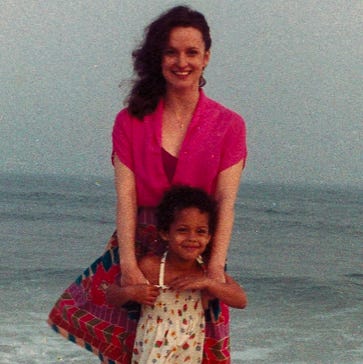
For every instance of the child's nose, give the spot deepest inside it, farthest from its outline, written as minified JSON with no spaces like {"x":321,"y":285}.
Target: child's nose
{"x":192,"y":236}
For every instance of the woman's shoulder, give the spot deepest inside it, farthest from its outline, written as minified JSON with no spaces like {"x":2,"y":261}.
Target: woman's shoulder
{"x":221,"y":111}
{"x":123,"y":114}
{"x":125,"y":122}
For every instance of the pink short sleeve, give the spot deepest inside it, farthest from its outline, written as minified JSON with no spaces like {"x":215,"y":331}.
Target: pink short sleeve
{"x":234,"y":147}
{"x":121,"y":139}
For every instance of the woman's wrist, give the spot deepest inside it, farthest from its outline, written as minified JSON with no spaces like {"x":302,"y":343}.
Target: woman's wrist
{"x":132,"y":274}
{"x":216,"y":264}
{"x":127,"y":260}
{"x":216,"y":271}
{"x":128,"y":268}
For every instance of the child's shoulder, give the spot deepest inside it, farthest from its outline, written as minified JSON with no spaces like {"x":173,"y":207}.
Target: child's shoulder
{"x":150,"y":266}
{"x":150,"y":259}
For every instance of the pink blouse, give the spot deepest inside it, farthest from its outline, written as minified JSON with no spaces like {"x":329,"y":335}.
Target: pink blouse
{"x":214,"y":141}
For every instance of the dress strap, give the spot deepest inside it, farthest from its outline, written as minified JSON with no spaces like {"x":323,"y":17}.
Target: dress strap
{"x":162,"y":270}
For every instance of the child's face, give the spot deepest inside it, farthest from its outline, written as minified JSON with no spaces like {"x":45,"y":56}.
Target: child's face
{"x":188,"y":235}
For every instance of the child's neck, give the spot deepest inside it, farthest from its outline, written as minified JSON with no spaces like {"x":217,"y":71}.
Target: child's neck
{"x":179,"y":264}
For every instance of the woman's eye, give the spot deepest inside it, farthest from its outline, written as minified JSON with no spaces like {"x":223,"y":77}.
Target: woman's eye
{"x":192,"y":52}
{"x":169,"y":52}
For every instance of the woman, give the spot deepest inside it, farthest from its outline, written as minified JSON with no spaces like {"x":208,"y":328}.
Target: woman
{"x":169,"y":133}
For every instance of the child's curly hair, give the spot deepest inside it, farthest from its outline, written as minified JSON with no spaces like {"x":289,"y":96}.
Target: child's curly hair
{"x":180,"y":197}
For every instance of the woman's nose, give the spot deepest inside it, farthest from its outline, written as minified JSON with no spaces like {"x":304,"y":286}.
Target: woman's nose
{"x":182,"y":60}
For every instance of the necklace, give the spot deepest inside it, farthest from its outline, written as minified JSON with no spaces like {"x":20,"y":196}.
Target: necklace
{"x":180,"y":123}
{"x":181,"y":119}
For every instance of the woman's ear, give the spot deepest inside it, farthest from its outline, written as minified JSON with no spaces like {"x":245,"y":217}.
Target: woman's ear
{"x":206,"y":59}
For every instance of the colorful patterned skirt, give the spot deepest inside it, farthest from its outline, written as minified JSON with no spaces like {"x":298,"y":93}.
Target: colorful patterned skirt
{"x":83,"y":316}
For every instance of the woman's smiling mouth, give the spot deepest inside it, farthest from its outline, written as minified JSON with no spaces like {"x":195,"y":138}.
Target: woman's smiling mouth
{"x":182,"y":73}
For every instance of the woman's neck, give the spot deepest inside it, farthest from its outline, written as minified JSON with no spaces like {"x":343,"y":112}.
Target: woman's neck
{"x":181,"y":103}
{"x":178,"y":112}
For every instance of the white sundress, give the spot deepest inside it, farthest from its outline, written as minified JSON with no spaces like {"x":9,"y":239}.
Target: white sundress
{"x":173,"y":330}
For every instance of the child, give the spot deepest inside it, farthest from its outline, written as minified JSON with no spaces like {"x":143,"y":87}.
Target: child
{"x":172,"y":322}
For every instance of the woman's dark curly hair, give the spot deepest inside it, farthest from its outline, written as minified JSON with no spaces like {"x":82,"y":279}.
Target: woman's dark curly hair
{"x":181,"y":197}
{"x":149,"y":84}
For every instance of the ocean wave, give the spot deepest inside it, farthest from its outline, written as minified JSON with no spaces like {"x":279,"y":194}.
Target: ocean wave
{"x":54,"y":217}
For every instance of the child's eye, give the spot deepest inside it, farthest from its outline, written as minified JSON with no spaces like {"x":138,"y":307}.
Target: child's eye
{"x":203,"y":231}
{"x":181,"y":230}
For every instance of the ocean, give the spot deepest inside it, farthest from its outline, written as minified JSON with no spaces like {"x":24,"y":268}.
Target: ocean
{"x":296,"y":250}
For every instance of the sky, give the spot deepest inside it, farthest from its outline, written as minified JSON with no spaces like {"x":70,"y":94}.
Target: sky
{"x":291,"y":68}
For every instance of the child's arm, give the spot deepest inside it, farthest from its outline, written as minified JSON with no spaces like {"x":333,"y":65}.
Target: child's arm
{"x":144,"y":294}
{"x":229,"y":292}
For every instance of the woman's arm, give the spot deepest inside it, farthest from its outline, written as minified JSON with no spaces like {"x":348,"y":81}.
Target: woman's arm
{"x":126,"y":214}
{"x":226,"y":194}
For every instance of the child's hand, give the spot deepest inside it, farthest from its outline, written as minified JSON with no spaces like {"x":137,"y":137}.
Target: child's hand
{"x":230,"y":292}
{"x":145,"y":294}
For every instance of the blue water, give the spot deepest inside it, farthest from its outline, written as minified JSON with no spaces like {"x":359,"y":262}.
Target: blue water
{"x":296,"y":250}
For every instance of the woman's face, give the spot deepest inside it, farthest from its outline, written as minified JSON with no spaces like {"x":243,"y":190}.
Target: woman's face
{"x":184,"y":59}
